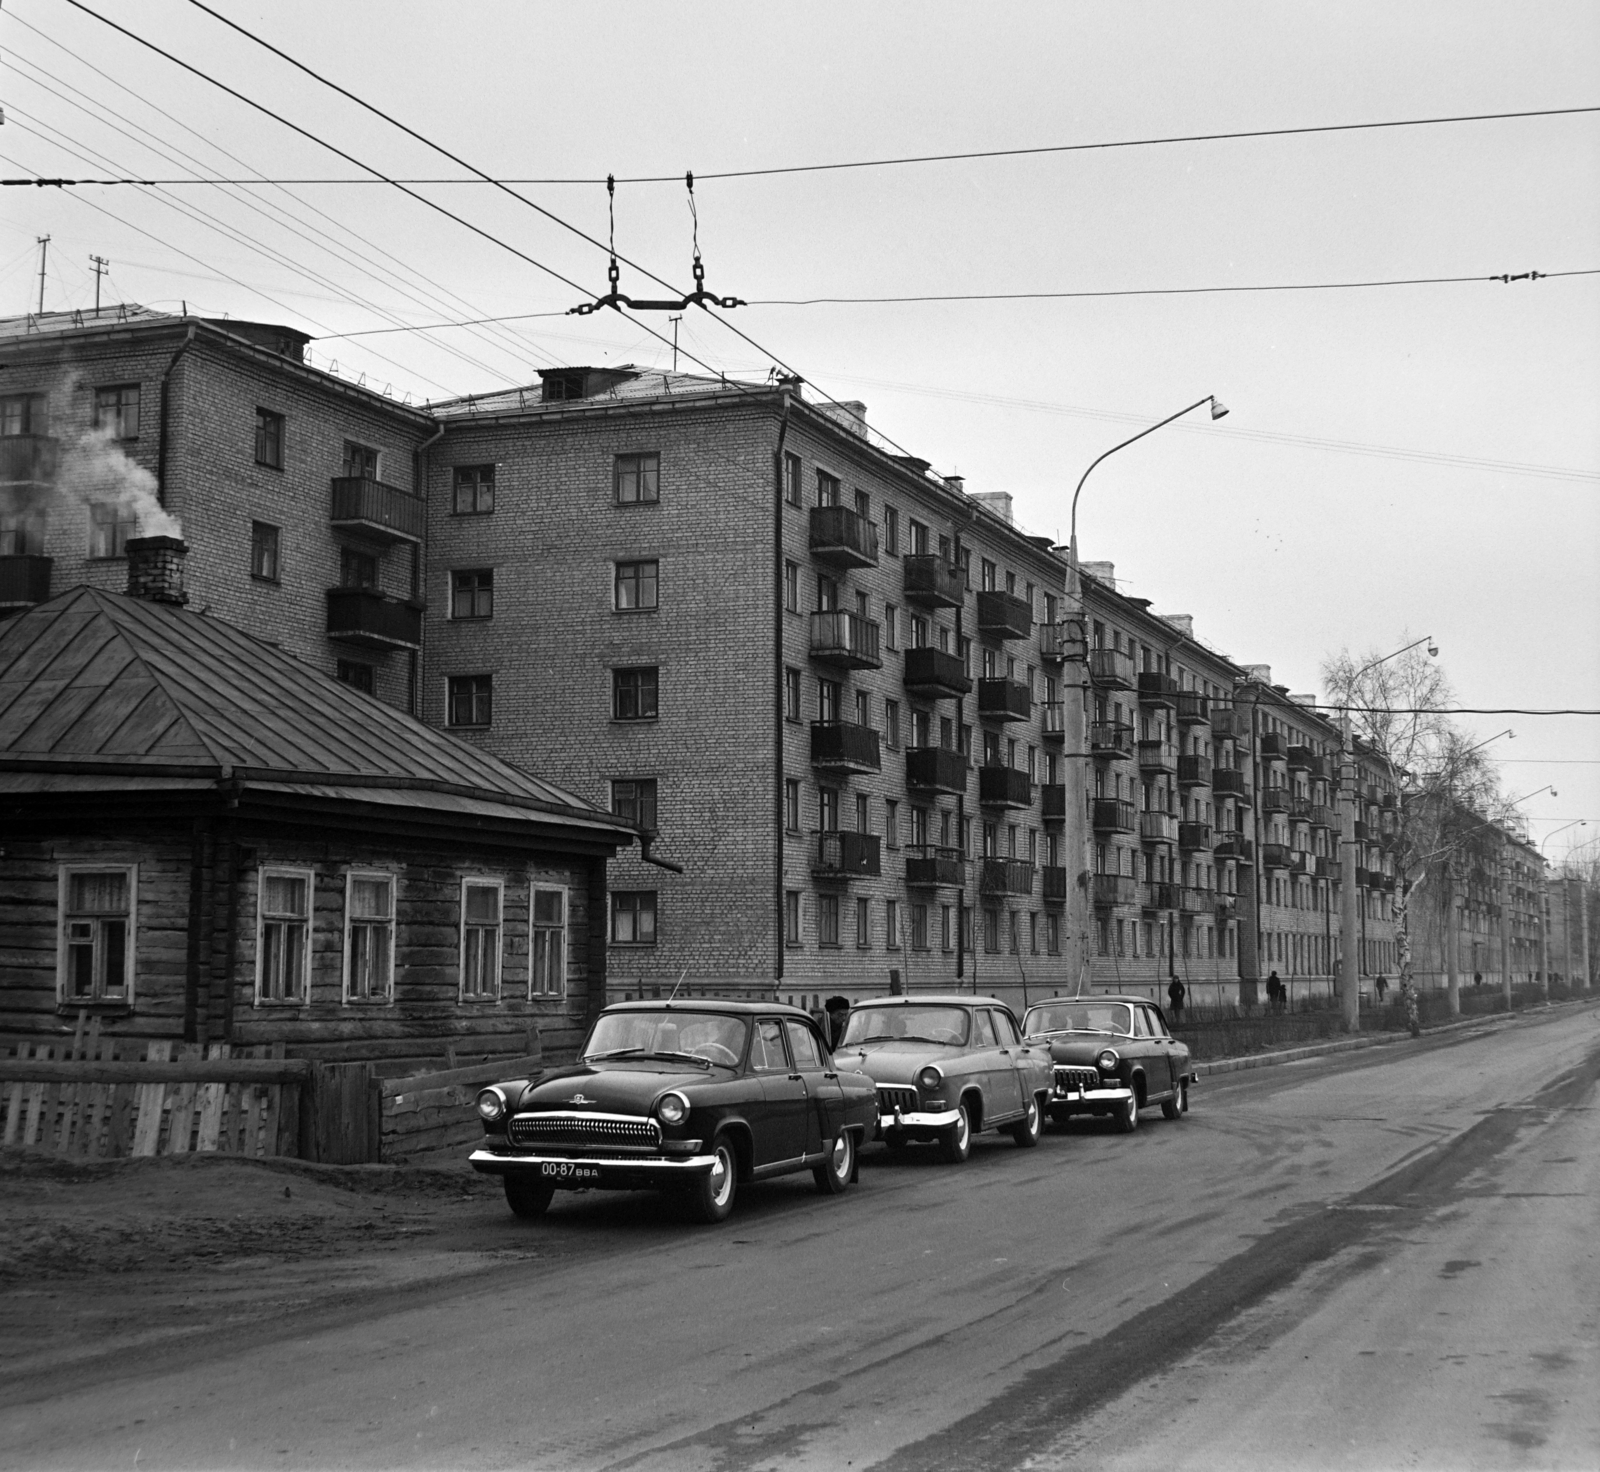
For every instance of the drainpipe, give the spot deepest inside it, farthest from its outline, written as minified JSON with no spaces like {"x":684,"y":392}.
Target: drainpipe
{"x":779,"y":937}
{"x":161,"y":439}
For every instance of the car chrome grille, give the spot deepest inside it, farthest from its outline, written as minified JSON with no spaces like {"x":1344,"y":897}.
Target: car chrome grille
{"x":1072,"y":1080}
{"x":562,"y":1130}
{"x":890,"y":1099}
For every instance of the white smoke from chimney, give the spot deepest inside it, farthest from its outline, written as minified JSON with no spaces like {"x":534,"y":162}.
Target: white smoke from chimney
{"x":94,"y":471}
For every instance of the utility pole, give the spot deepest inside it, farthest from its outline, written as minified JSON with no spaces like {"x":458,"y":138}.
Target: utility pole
{"x":1349,"y":920}
{"x":44,"y":250}
{"x":1505,"y":923}
{"x":101,"y":267}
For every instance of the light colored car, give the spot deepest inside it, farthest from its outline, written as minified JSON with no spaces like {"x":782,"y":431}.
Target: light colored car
{"x":1111,"y":1056}
{"x":947,"y":1067}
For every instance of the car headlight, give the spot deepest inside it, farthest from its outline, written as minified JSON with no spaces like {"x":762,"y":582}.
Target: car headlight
{"x":491,"y":1105}
{"x":929,"y":1078}
{"x":672,"y":1109}
{"x":1106,"y":1060}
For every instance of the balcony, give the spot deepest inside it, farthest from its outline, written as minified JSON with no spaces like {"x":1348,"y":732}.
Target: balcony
{"x":28,"y":459}
{"x":1194,"y":837}
{"x":1113,"y":815}
{"x":1227,"y":906}
{"x":1158,"y":756}
{"x":1301,"y":862}
{"x":1115,"y":889}
{"x":24,"y":579}
{"x":1316,"y":768}
{"x":935,"y":769}
{"x":1274,"y":856}
{"x":1194,"y":771}
{"x":1004,"y":700}
{"x":1111,"y":669}
{"x":1157,"y":895}
{"x":1299,"y":809}
{"x":1004,"y":615}
{"x":1004,"y":787}
{"x":1194,"y":709}
{"x":1320,"y":816}
{"x":1055,"y":884}
{"x":1157,"y":689}
{"x":1232,"y":722}
{"x":375,"y":620}
{"x":1111,"y":740}
{"x":1054,"y":798}
{"x":1228,"y":782}
{"x":1274,"y":799}
{"x":1363,"y":833}
{"x":1273,"y":746}
{"x":841,"y":746}
{"x":928,"y":867}
{"x":1232,"y":844}
{"x":383,"y":513}
{"x":1325,"y":868}
{"x":846,"y":856}
{"x":843,"y":537}
{"x":1157,"y":828}
{"x":932,"y":582}
{"x":935,"y":675}
{"x":1059,"y":641}
{"x":1193,"y":901}
{"x":1055,"y":720}
{"x":1006,"y":876}
{"x":1300,"y":758}
{"x":844,"y":638}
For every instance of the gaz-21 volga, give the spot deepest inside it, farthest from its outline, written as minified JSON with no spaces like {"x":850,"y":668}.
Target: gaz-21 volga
{"x":1111,"y":1056}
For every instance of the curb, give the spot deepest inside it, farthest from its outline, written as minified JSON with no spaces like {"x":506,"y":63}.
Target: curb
{"x":1350,"y":1045}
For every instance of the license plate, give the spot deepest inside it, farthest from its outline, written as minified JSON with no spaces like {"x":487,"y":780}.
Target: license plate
{"x":565,"y":1170}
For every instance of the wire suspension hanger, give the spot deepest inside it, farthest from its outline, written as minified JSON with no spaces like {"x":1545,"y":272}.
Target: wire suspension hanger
{"x":699,"y":297}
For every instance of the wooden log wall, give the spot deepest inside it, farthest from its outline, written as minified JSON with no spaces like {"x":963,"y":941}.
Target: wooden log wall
{"x":430,"y":1118}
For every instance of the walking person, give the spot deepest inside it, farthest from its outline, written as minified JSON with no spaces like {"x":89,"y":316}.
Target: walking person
{"x":1175,"y":994}
{"x":1380,"y":986}
{"x":1275,"y":992}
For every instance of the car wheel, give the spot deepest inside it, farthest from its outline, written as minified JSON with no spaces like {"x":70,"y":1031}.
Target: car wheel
{"x":1026,"y":1131}
{"x":712,"y":1196}
{"x":955,"y":1144}
{"x":1178,"y":1105}
{"x":833,"y":1175}
{"x":1128,"y":1115}
{"x":897,"y":1142}
{"x":528,"y":1198}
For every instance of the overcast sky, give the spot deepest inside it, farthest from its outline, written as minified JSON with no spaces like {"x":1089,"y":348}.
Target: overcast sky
{"x":1398,"y":461}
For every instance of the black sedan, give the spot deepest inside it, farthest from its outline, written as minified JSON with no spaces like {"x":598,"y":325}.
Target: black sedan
{"x":1111,"y":1055}
{"x":692,"y":1096}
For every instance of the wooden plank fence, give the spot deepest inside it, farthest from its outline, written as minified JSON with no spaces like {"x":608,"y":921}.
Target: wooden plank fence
{"x":431,"y":1117}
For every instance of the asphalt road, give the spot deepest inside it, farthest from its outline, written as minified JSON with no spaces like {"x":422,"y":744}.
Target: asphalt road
{"x":1385,"y":1258}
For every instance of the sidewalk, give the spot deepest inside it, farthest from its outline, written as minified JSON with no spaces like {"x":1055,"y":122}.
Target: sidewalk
{"x":1377,"y":1040}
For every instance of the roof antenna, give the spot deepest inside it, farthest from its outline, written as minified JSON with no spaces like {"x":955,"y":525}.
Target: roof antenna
{"x":679,"y":983}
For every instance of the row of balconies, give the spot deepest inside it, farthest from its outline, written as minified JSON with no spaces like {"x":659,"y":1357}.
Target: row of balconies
{"x":842,"y":856}
{"x":1118,"y":891}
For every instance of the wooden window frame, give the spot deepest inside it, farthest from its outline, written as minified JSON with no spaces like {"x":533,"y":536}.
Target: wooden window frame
{"x":131,"y":951}
{"x":393,"y":881}
{"x":639,"y":908}
{"x":285,"y":871}
{"x":482,"y":881}
{"x":536,"y":933}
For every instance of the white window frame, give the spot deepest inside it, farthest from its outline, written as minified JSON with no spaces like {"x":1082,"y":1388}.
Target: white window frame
{"x":534,"y":931}
{"x":283,"y":871}
{"x":351,"y":875}
{"x":63,"y":874}
{"x":482,"y":881}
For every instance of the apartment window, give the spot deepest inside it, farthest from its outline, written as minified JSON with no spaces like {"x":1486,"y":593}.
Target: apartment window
{"x":863,"y":923}
{"x":919,"y":927}
{"x":829,"y":695}
{"x":946,"y":915}
{"x":356,"y":675}
{"x":828,"y":809}
{"x":116,"y":411}
{"x":988,"y":571}
{"x":633,"y":799}
{"x":633,"y":917}
{"x":917,"y":632}
{"x":827,"y":489}
{"x":636,"y":586}
{"x":891,"y":532}
{"x":110,"y":526}
{"x":368,"y":937}
{"x":547,"y":942}
{"x":481,"y":906}
{"x":638,"y":479}
{"x":919,"y":827}
{"x":891,"y":922}
{"x":791,"y":804}
{"x":863,"y":820}
{"x":791,"y":479}
{"x":1052,"y":934}
{"x":1033,"y":932}
{"x":360,"y":461}
{"x":472,"y":593}
{"x":891,"y":822}
{"x":474,"y":490}
{"x":96,"y":943}
{"x":991,"y":930}
{"x":918,"y":537}
{"x":283,"y":935}
{"x":791,"y":586}
{"x":891,"y":724}
{"x":264,"y":551}
{"x":471,"y":700}
{"x":828,"y":919}
{"x":791,"y":917}
{"x":21,"y":533}
{"x":827,"y":594}
{"x":23,"y":414}
{"x":791,"y":694}
{"x":357,"y":569}
{"x":269,"y":439}
{"x":633,"y":694}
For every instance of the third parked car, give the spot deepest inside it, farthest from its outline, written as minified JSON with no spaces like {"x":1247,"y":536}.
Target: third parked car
{"x":1111,"y":1055}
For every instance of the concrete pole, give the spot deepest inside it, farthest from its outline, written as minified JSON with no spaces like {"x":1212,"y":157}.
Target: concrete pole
{"x":1583,"y":913}
{"x":1452,"y":940}
{"x":1349,"y":920}
{"x":1505,"y":926}
{"x":1541,"y":902}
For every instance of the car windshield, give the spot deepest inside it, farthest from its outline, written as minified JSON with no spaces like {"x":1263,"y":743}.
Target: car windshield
{"x":1079,"y":1017}
{"x":913,"y":1024}
{"x":702,"y":1036}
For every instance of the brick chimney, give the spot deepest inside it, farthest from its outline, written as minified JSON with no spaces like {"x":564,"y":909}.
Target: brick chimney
{"x":155,"y":569}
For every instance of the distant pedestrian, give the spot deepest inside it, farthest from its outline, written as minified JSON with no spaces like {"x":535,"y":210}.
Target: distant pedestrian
{"x":1175,"y":994}
{"x":1380,"y":986}
{"x":1275,"y":992}
{"x":838,"y":1010}
{"x":1477,"y":978}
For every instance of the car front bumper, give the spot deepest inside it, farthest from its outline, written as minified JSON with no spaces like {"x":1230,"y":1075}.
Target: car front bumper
{"x":595,"y":1172}
{"x":916,"y":1121}
{"x":1072,"y":1100}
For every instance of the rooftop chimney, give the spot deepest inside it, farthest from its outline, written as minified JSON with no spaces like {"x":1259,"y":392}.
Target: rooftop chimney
{"x":998,"y":502}
{"x":155,"y":569}
{"x":1182,"y":622}
{"x":1262,"y":673}
{"x":851,"y":414}
{"x":1104,"y":572}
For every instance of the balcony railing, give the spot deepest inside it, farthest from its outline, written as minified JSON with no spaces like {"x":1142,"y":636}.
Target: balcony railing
{"x":1194,"y":771}
{"x":1232,"y":722}
{"x":1053,"y":799}
{"x":1194,"y":837}
{"x":377,"y":620}
{"x":1113,"y":815}
{"x":383,"y":512}
{"x":843,"y":537}
{"x":846,"y":856}
{"x":1363,"y":833}
{"x":1300,"y":862}
{"x":844,"y":638}
{"x":1193,"y":901}
{"x":1275,"y":856}
{"x":1194,"y":709}
{"x":1273,"y":745}
{"x":28,"y":459}
{"x":1301,"y":757}
{"x":24,"y":579}
{"x":1055,"y":884}
{"x":1158,"y":756}
{"x":1157,"y":689}
{"x":933,"y":582}
{"x":1157,"y":827}
{"x":935,"y":769}
{"x":1004,"y":700}
{"x":1232,"y":844}
{"x":1055,"y":720}
{"x":1275,"y":799}
{"x":1062,"y":640}
{"x":934,"y":674}
{"x":1228,"y":782}
{"x":1111,"y":668}
{"x":1159,"y":895}
{"x":930,"y":867}
{"x":1004,"y":787}
{"x":842,"y":746}
{"x":1316,"y":768}
{"x":1115,"y":889}
{"x":1004,"y":615}
{"x":1111,"y":739}
{"x":1006,"y":876}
